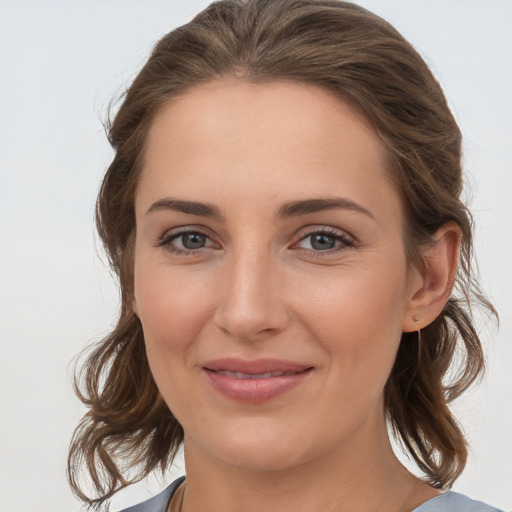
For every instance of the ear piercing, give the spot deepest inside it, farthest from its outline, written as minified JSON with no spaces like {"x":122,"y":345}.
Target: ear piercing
{"x":416,"y":320}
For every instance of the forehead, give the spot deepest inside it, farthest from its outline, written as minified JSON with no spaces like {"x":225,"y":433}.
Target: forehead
{"x":271,"y":111}
{"x":286,"y":140}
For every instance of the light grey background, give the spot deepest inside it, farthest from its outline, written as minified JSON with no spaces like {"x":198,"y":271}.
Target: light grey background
{"x":60,"y":64}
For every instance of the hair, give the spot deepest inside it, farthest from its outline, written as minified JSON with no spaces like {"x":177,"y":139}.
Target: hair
{"x":128,"y":430}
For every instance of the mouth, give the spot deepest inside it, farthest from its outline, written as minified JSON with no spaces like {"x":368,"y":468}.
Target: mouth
{"x":255,"y":381}
{"x":240,"y":375}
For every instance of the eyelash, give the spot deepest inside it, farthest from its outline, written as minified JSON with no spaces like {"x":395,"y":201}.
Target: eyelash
{"x":345,"y":241}
{"x":167,"y":238}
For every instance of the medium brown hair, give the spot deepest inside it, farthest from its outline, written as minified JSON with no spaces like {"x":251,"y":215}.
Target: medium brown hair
{"x":129,"y":431}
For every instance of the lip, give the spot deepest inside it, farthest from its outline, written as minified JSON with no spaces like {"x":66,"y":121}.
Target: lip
{"x":254,"y":381}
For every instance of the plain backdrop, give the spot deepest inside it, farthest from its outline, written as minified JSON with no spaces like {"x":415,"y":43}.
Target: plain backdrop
{"x":60,"y":64}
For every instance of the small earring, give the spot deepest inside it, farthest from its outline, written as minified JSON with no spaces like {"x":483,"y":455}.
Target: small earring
{"x":416,"y":320}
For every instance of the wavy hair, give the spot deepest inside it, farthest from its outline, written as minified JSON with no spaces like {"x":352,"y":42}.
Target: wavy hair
{"x":128,"y":430}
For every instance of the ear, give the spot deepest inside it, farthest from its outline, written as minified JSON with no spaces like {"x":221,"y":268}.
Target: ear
{"x":431,"y":288}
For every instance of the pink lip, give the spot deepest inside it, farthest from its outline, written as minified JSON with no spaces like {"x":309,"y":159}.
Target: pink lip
{"x":259,"y":388}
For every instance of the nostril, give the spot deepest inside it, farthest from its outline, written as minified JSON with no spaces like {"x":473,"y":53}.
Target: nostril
{"x":247,"y":327}
{"x":251,"y":303}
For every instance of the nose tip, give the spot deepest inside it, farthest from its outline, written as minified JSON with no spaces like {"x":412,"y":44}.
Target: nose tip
{"x":246,"y":330}
{"x":253,"y":305}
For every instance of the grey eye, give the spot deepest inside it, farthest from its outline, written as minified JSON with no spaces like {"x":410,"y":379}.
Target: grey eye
{"x":193,"y":240}
{"x":322,"y":242}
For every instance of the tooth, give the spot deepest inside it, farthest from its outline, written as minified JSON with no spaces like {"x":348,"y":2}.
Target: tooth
{"x":241,"y":375}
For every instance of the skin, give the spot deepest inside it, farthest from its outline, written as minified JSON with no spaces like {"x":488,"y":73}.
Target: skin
{"x":260,"y":287}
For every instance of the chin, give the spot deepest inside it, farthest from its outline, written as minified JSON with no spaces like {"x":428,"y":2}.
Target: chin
{"x":254,"y":447}
{"x":260,"y":458}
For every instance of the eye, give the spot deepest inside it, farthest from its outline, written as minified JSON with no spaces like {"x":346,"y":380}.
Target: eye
{"x":192,"y":241}
{"x":321,"y":241}
{"x":185,"y":242}
{"x":325,"y":241}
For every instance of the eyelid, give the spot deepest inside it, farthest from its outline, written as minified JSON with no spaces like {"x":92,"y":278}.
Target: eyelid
{"x":172,"y":234}
{"x":183,"y":229}
{"x":347,"y":240}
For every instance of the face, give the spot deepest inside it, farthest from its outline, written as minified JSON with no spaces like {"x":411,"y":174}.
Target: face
{"x":270,"y":272}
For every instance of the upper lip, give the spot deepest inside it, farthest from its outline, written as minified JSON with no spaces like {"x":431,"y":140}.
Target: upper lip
{"x":255,"y":366}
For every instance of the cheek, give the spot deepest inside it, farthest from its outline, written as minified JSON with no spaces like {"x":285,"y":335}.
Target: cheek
{"x":358,"y":321}
{"x":172,"y":310}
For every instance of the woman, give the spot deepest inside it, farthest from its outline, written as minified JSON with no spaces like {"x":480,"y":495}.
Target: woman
{"x":284,"y":214}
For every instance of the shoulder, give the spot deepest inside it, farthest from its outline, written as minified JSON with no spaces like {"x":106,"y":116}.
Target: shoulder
{"x":454,"y":502}
{"x":158,"y":503}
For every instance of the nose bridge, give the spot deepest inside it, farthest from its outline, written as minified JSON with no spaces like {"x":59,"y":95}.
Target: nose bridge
{"x":252,"y":300}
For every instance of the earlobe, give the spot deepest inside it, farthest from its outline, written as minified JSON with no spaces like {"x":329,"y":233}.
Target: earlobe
{"x":432,"y":288}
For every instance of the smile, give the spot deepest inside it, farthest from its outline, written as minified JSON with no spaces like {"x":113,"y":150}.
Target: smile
{"x":240,"y":375}
{"x":254,"y":381}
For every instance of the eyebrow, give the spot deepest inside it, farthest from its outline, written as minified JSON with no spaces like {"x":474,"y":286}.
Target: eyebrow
{"x":292,"y":209}
{"x":296,"y":208}
{"x":190,"y":207}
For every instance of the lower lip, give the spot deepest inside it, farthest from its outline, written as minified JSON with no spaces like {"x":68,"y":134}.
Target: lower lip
{"x":255,"y":390}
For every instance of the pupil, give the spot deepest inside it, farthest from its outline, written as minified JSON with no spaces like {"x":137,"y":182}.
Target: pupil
{"x":193,"y":240}
{"x":322,"y":242}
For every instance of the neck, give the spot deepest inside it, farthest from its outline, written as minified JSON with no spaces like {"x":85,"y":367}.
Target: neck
{"x":363,"y":475}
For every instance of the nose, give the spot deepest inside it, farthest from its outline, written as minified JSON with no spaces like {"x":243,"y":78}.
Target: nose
{"x":252,"y":302}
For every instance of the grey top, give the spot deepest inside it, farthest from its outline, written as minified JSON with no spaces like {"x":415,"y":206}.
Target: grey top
{"x":160,"y":502}
{"x":454,"y":502}
{"x":448,"y":502}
